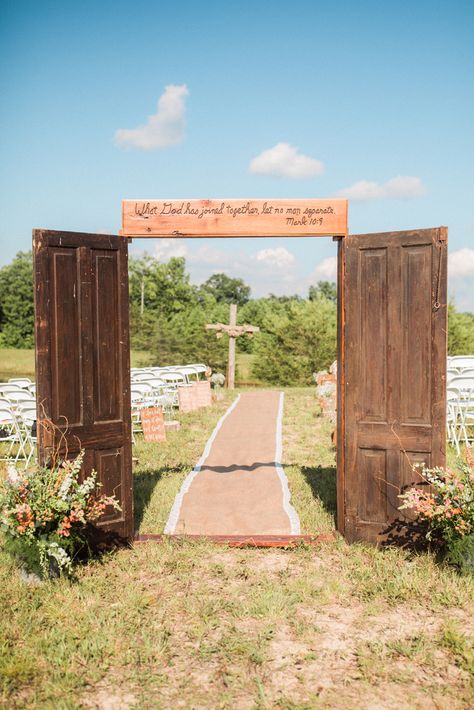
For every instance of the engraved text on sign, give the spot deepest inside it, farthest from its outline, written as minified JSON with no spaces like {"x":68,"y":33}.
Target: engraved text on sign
{"x":234,"y":218}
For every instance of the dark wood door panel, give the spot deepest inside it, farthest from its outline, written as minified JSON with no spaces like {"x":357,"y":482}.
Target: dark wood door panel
{"x":82,"y":359}
{"x":107,"y":328}
{"x":66,"y":316}
{"x":394,"y":371}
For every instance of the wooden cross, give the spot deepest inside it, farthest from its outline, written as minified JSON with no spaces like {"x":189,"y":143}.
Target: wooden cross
{"x":234,"y":331}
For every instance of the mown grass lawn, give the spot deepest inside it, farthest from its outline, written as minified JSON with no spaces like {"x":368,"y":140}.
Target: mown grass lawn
{"x":193,"y":625}
{"x":21,"y":363}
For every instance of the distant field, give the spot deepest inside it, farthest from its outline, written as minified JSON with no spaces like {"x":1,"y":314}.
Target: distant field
{"x":21,"y":363}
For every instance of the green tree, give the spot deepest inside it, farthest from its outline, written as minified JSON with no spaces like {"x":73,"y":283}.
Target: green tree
{"x":157,"y":292}
{"x":226,"y":289}
{"x":297,"y":343}
{"x":183,"y":337}
{"x":328,"y":289}
{"x":16,"y":302}
{"x":460,"y":332}
{"x":259,"y":311}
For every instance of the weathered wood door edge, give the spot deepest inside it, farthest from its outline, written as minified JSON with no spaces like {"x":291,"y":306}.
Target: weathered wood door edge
{"x":47,"y":437}
{"x":439,"y":237}
{"x":340,"y":421}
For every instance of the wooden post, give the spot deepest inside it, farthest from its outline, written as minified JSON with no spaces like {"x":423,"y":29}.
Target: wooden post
{"x":231,"y":364}
{"x":234,"y":331}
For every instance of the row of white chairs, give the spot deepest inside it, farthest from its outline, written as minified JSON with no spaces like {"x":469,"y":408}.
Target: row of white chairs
{"x":460,"y":409}
{"x":158,"y":386}
{"x":460,"y":400}
{"x":460,"y":364}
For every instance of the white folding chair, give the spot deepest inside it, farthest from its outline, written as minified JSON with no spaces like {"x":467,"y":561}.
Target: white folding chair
{"x":461,"y":362}
{"x":190,"y":373}
{"x":26,"y":416}
{"x":466,"y":416}
{"x":11,"y":433}
{"x":19,"y":396}
{"x":200,"y":368}
{"x":173,"y":378}
{"x":461,"y":383}
{"x":9,"y":387}
{"x":452,"y":418}
{"x":23,"y":382}
{"x":140,"y":376}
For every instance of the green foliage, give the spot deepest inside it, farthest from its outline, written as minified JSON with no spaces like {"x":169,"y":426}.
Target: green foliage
{"x":166,"y":287}
{"x":460,"y":332}
{"x":445,"y":502}
{"x":168,"y":315}
{"x":297,"y":343}
{"x":44,"y":513}
{"x":328,"y":289}
{"x":460,"y":553}
{"x":257,"y":312}
{"x":16,"y":303}
{"x":226,"y":289}
{"x":183,"y":338}
{"x":157,"y":290}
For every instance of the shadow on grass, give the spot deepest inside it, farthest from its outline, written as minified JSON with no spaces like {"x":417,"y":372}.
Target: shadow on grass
{"x":144,"y":485}
{"x":322,"y":482}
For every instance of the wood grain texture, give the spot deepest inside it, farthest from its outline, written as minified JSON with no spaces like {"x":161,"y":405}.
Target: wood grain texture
{"x":234,"y":218}
{"x":83,"y":360}
{"x":395,"y":349}
{"x":231,"y":363}
{"x":340,"y":462}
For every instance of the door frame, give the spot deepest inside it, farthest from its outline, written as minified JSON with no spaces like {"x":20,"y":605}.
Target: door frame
{"x":291,"y":540}
{"x":285,"y":541}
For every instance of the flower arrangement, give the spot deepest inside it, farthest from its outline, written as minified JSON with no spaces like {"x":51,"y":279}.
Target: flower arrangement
{"x":44,"y":513}
{"x":217,"y":380}
{"x":446,"y":504}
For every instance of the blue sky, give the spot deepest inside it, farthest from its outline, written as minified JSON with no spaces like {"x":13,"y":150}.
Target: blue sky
{"x":374,"y":100}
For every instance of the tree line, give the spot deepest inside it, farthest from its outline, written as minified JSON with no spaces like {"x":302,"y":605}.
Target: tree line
{"x":168,"y":315}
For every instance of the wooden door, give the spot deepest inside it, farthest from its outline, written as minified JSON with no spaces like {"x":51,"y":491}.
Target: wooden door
{"x":82,"y":360}
{"x":394,"y":324}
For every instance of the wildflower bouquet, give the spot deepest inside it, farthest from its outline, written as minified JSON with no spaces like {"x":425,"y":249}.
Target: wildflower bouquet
{"x":217,"y":380}
{"x":446,"y":504}
{"x":44,"y":514}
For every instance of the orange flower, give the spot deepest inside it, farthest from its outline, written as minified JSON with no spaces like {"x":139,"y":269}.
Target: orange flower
{"x":65,"y":527}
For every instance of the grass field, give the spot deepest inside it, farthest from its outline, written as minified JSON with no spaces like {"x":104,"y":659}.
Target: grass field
{"x":192,"y":625}
{"x":21,"y":363}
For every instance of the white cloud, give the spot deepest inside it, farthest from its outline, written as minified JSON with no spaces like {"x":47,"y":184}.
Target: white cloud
{"x":165,"y":127}
{"x":327,"y":269}
{"x":166,"y":248}
{"x":398,"y":188}
{"x":461,"y":263}
{"x":279,"y":257}
{"x":284,"y":160}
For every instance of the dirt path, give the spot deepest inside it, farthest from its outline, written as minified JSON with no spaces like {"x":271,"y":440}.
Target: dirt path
{"x":239,"y":487}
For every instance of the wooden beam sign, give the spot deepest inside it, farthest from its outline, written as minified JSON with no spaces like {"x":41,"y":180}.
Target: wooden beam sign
{"x":234,"y":218}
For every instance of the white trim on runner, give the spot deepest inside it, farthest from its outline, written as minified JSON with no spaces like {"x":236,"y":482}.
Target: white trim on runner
{"x":170,"y":526}
{"x":288,"y":508}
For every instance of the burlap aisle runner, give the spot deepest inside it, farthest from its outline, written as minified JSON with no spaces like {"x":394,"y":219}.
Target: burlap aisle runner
{"x":239,"y":486}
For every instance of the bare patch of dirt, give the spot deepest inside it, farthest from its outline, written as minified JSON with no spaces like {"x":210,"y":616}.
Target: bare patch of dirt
{"x":108,"y":697}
